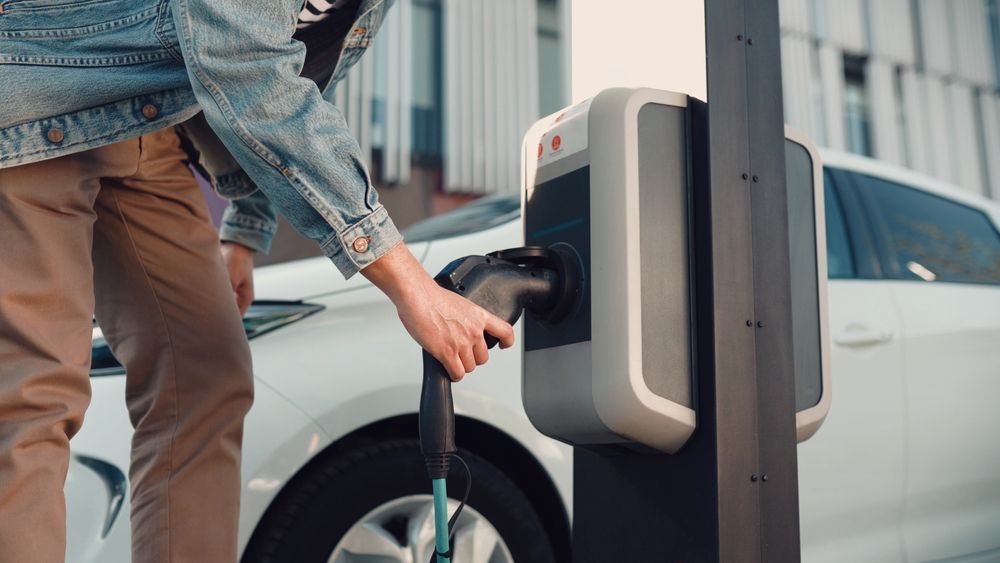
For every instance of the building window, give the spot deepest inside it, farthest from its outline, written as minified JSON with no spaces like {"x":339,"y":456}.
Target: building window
{"x":427,"y":78}
{"x":857,"y":110}
{"x":993,"y":14}
{"x":817,"y":96}
{"x":551,"y":60}
{"x":916,"y":24}
{"x":900,"y":106}
{"x":866,"y":25}
{"x":819,"y":18}
{"x":425,"y":87}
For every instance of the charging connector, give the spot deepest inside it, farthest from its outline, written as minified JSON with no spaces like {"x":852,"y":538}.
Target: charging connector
{"x":544,"y":281}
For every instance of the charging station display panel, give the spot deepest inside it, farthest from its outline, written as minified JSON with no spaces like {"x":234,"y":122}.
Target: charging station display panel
{"x":807,"y":259}
{"x":561,"y":216}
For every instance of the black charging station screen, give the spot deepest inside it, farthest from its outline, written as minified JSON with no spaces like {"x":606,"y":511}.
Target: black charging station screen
{"x":806,"y":343}
{"x":558,"y":211}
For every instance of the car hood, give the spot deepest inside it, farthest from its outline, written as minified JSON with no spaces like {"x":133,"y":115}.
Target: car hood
{"x":302,"y":279}
{"x":443,"y":251}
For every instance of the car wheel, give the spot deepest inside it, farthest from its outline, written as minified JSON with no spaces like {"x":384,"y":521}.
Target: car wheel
{"x":373,"y":504}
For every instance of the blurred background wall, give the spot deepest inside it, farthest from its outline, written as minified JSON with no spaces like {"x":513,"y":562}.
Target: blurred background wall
{"x":911,"y":82}
{"x":441,"y":100}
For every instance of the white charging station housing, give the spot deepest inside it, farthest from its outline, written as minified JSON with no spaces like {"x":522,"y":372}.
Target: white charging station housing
{"x":610,"y":177}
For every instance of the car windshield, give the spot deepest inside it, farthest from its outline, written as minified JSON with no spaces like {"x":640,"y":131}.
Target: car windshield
{"x":479,"y":215}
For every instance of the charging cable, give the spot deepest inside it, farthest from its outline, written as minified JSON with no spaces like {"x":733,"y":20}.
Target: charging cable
{"x":546,"y":281}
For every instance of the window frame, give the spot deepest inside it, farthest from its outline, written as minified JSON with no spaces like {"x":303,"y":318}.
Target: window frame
{"x":830,"y":189}
{"x":867,"y":262}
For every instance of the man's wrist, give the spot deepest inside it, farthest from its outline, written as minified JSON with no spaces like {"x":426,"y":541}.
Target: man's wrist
{"x":398,"y":274}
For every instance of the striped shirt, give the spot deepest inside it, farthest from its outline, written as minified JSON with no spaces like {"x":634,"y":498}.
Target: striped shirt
{"x":317,"y":10}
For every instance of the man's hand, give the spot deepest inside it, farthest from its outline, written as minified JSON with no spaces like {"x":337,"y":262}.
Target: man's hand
{"x":239,"y":265}
{"x":447,"y":325}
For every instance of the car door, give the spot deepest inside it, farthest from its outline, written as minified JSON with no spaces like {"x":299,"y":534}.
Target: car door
{"x":851,"y":472}
{"x":945,"y":259}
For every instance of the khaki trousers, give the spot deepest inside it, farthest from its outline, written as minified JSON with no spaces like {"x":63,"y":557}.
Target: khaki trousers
{"x":123,"y":231}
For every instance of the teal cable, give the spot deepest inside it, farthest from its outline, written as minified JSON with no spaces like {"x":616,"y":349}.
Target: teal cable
{"x":441,"y":518}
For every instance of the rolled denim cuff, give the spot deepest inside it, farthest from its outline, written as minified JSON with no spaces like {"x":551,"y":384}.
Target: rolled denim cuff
{"x":362,"y":243}
{"x":255,"y":240}
{"x":250,"y":231}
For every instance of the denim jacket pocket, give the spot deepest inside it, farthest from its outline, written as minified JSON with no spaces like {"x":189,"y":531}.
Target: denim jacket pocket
{"x":359,"y":38}
{"x":166,"y":32}
{"x":91,"y":33}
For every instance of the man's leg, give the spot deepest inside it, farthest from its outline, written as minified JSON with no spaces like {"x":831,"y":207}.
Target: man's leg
{"x":167,"y":309}
{"x":46,"y":306}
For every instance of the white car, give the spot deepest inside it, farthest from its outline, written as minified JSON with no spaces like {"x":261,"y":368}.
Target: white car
{"x":906,"y":467}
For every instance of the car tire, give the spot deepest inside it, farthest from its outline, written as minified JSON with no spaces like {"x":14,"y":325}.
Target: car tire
{"x":317,"y":508}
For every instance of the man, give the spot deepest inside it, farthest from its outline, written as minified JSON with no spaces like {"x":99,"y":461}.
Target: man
{"x":250,"y":222}
{"x":98,"y":212}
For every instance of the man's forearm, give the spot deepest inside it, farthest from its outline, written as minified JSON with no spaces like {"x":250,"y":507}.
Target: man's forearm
{"x":397,"y":273}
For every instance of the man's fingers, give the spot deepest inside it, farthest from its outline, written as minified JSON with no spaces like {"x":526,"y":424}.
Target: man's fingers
{"x":244,"y":305}
{"x":244,"y":297}
{"x":468,"y":359}
{"x":247,"y":300}
{"x":500,"y":329}
{"x":455,"y":368}
{"x":481,"y":352}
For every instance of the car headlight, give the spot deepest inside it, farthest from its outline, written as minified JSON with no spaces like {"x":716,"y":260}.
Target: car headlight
{"x":264,"y":316}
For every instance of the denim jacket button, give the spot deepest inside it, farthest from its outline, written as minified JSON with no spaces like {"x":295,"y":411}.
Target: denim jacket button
{"x":55,"y":135}
{"x":149,"y":111}
{"x":360,"y":244}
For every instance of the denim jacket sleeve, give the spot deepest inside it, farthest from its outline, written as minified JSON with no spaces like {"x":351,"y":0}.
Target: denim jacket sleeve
{"x":250,"y":221}
{"x":249,"y":218}
{"x":296,"y":147}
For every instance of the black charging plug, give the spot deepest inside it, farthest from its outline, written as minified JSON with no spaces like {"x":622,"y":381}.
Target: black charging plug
{"x":545,"y":281}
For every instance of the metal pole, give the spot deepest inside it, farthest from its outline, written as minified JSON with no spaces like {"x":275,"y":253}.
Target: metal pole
{"x":731,"y":494}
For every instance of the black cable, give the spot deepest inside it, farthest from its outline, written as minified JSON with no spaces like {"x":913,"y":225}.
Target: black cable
{"x":454,"y":517}
{"x":468,"y":487}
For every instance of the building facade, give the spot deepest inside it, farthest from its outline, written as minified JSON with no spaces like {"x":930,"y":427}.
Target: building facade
{"x":911,"y":82}
{"x":443,"y":97}
{"x":441,"y":100}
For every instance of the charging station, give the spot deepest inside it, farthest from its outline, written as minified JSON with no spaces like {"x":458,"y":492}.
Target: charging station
{"x":607,"y":283}
{"x":609,"y":180}
{"x":611,"y":185}
{"x":673,"y":283}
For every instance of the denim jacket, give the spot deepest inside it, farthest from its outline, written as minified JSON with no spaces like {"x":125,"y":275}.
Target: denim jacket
{"x":77,"y":74}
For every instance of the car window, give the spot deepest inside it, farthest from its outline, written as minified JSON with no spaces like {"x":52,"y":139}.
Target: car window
{"x":479,"y":215}
{"x":839,"y":257}
{"x":933,"y":238}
